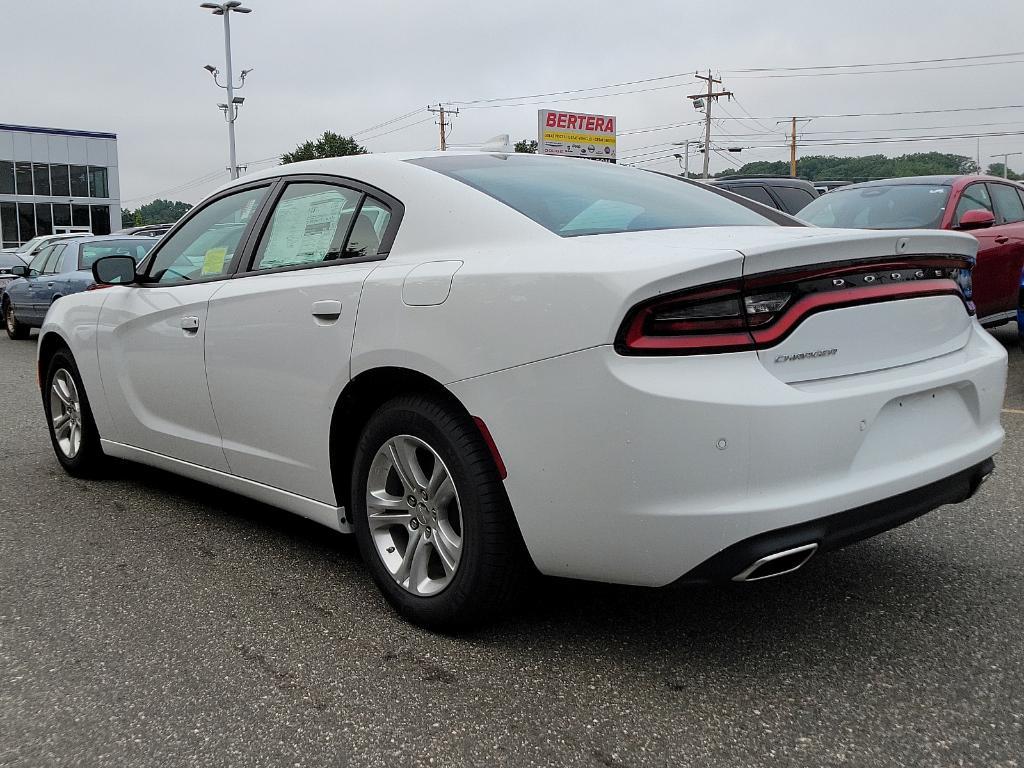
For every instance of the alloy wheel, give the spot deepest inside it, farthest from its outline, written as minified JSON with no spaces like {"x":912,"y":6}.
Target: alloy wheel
{"x":66,"y":413}
{"x":414,"y":515}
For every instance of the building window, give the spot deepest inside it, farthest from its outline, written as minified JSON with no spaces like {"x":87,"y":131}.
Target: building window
{"x":41,"y":175}
{"x":44,"y":219}
{"x":61,"y":213}
{"x":101,"y":219}
{"x":6,"y":178}
{"x":80,"y":215}
{"x":98,"y":182}
{"x":23,"y":179}
{"x":26,"y":221}
{"x":9,"y":225}
{"x":60,"y":181}
{"x":79,"y":181}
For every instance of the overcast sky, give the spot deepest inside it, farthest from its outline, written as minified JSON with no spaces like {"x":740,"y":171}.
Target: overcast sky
{"x":134,"y":67}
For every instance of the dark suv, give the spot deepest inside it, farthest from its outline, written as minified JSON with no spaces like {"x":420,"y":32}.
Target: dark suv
{"x":784,"y":193}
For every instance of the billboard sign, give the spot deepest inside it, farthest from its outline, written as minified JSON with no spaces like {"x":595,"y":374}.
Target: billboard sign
{"x":576,"y":134}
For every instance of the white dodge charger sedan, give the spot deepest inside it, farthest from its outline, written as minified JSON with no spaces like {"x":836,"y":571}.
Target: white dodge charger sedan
{"x":481,"y":363}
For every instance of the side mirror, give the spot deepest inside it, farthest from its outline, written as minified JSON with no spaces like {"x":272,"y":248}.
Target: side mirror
{"x":114,"y":270}
{"x":977,"y":218}
{"x":21,"y":270}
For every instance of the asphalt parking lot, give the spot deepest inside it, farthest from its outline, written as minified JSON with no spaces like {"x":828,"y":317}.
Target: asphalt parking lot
{"x":153,"y":621}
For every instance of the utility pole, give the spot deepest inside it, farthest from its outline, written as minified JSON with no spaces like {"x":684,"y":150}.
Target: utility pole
{"x":443,"y":122}
{"x":707,"y":98}
{"x":1005,"y":156}
{"x":792,"y":142}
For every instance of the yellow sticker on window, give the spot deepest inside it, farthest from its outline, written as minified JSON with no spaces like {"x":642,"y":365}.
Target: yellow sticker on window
{"x":213,"y":262}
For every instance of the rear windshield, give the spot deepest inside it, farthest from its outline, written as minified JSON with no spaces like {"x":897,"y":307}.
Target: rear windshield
{"x":574,"y":197}
{"x":135,"y":247}
{"x":899,"y":206}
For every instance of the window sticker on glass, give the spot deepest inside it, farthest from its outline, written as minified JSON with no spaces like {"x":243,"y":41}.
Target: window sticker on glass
{"x":213,"y":261}
{"x":307,"y":226}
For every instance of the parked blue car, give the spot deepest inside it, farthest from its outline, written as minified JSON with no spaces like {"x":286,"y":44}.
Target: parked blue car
{"x":61,"y":268}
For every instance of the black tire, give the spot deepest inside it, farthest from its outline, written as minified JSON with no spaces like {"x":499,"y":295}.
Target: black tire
{"x":15,"y":330}
{"x":493,"y":563}
{"x":89,"y":458}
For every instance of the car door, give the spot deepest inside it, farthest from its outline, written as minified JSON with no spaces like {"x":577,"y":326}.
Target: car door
{"x":989,"y":297}
{"x":279,"y":335}
{"x":150,"y":335}
{"x":20,"y":292}
{"x":43,"y":285}
{"x":1009,"y":244}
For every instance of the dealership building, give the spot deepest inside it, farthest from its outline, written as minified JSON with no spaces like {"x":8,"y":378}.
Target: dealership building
{"x":55,"y":180}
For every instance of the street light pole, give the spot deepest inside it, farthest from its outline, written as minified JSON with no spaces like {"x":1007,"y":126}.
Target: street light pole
{"x":232,"y":111}
{"x":231,"y":107}
{"x":1006,"y":156}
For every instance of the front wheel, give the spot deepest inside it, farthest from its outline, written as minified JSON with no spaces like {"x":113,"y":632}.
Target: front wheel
{"x":432,"y":520}
{"x":15,"y":330}
{"x":76,"y":442}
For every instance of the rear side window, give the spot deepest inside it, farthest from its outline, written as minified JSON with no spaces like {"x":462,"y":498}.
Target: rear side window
{"x":793,"y":199}
{"x":757,"y":193}
{"x":573,"y":197}
{"x":975,"y":197}
{"x":368,"y":230}
{"x":1008,"y":204}
{"x":309,"y":225}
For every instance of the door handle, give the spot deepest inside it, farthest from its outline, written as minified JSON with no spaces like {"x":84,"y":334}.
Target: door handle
{"x":50,"y":285}
{"x":1002,"y":239}
{"x":326,"y":310}
{"x":190,"y":323}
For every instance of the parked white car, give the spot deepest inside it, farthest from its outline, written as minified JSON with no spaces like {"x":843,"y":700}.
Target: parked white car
{"x":477,"y":361}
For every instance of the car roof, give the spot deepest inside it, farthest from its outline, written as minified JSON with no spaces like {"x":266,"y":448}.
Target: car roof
{"x":938,"y":180}
{"x":105,"y":238}
{"x":772,"y":181}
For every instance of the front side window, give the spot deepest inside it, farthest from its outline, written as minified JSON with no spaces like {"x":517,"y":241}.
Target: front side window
{"x":39,"y":261}
{"x":136,"y":247}
{"x":205,"y":246}
{"x":572,"y":197}
{"x":895,"y":206}
{"x":973,"y":198}
{"x":1008,"y":203}
{"x":53,"y":258}
{"x":309,"y":226}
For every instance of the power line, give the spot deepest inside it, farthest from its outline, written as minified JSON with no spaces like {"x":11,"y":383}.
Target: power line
{"x":879,"y":71}
{"x":880,"y":63}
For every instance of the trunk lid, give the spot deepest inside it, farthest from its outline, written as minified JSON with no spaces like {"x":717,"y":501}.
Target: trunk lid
{"x":859,"y":301}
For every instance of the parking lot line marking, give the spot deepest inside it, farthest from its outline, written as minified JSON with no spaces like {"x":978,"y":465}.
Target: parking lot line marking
{"x":1013,"y":410}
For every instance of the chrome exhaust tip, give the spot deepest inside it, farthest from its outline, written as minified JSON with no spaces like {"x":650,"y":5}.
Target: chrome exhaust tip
{"x":777,"y":563}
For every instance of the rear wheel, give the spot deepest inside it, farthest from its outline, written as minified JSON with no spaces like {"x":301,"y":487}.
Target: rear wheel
{"x":15,"y":329}
{"x":431,"y":516}
{"x":76,"y":442}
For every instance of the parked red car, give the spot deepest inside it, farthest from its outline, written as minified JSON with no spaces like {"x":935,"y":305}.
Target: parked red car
{"x":990,"y":208}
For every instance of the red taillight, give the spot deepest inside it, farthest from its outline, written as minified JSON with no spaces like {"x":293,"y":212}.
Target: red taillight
{"x":761,"y":311}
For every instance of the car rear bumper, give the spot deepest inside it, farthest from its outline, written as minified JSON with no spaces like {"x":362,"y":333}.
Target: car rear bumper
{"x":638,"y":470}
{"x":736,"y":562}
